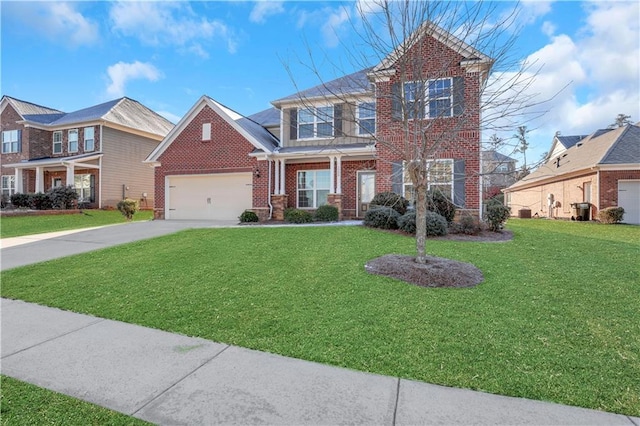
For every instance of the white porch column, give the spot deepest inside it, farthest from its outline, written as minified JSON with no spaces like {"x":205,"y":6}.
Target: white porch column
{"x":339,"y":183}
{"x":332,"y":170}
{"x":39,"y":179}
{"x":70,"y":174}
{"x":276,"y":189}
{"x":282,"y":177}
{"x":19,"y":188}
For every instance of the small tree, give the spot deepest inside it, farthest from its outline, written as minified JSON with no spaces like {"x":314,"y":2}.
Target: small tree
{"x":128,"y":207}
{"x":620,"y":121}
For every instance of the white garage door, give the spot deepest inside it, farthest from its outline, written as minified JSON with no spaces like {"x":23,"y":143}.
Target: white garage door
{"x":208,"y":197}
{"x":629,"y":200}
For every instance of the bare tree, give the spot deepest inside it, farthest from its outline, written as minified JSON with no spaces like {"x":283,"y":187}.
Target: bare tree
{"x":523,"y":145}
{"x":621,"y":121}
{"x":427,"y":119}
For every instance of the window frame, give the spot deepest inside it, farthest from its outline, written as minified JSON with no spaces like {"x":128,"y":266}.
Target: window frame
{"x":92,"y":139}
{"x":315,"y":204}
{"x":60,"y":142}
{"x":429,"y":93}
{"x":83,"y":191}
{"x":10,"y":189}
{"x":14,"y":146}
{"x":316,"y":116}
{"x":361,"y":130}
{"x":406,"y":181}
{"x":69,"y":141}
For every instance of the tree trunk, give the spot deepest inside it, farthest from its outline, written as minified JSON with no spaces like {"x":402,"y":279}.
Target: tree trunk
{"x":421,"y":223}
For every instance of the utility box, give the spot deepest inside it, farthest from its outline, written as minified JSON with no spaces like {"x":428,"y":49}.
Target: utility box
{"x":524,"y":213}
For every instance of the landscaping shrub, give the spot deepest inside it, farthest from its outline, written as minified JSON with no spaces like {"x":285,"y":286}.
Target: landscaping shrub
{"x":407,"y":222}
{"x":439,"y":203}
{"x":62,"y":197}
{"x":497,"y":215}
{"x":40,"y":201}
{"x":436,"y":224}
{"x":498,"y":199}
{"x":248,"y":216}
{"x":21,"y":200}
{"x":326,"y":213}
{"x":382,"y":217}
{"x":611,"y":215}
{"x":128,"y":207}
{"x":390,"y":199}
{"x":297,"y":216}
{"x":467,"y":225}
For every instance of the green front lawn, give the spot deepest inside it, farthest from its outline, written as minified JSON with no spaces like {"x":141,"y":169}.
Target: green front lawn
{"x":556,"y":319}
{"x":25,"y":404}
{"x":15,"y":226}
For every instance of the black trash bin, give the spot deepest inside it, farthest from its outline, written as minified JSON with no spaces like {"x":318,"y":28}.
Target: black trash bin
{"x":582,"y":211}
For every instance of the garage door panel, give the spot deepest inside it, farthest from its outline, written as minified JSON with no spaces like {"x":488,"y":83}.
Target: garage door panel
{"x":209,"y":197}
{"x":629,"y":200}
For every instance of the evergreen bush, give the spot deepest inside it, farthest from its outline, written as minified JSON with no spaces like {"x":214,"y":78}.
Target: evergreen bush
{"x":292,"y":215}
{"x":390,"y":199}
{"x":436,"y":224}
{"x":128,"y":207}
{"x":382,"y":217}
{"x":62,"y":197}
{"x":326,"y":213}
{"x":438,"y":202}
{"x":248,"y":216}
{"x":497,"y":215}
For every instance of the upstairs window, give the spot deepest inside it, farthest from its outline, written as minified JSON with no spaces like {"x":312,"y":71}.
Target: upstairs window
{"x":89,"y":140}
{"x":429,"y":99}
{"x":316,"y":122}
{"x":57,"y":142}
{"x":11,"y":141}
{"x":73,"y":140}
{"x":367,"y":118}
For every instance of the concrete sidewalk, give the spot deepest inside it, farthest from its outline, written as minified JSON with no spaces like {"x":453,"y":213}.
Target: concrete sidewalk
{"x":172,"y":379}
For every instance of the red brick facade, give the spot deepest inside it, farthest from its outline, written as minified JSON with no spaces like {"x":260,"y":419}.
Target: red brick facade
{"x":609,"y":185}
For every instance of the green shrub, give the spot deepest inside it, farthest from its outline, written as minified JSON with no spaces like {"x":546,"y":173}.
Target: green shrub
{"x":438,"y":202}
{"x":297,"y":216}
{"x":498,"y":199}
{"x":390,"y":199}
{"x":382,"y":217}
{"x":40,"y":201}
{"x":62,"y":197}
{"x":436,"y":224}
{"x":128,"y":207}
{"x":326,"y":213}
{"x":21,"y":200}
{"x":407,"y":222}
{"x":467,"y":225}
{"x":497,"y":215}
{"x":248,"y":216}
{"x":611,"y":215}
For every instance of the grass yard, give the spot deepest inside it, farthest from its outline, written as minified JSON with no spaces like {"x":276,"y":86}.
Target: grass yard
{"x":25,"y":404}
{"x":15,"y":226}
{"x":556,"y":319}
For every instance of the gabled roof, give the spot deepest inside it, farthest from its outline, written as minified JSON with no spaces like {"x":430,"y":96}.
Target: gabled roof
{"x":257,"y":135}
{"x":266,"y":118}
{"x":356,"y":83}
{"x":619,"y":146}
{"x":492,"y":155}
{"x":25,"y":108}
{"x":569,"y":141}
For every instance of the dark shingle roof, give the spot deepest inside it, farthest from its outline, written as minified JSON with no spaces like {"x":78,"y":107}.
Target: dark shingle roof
{"x":25,"y":108}
{"x":354,"y":83}
{"x":258,"y":132}
{"x":87,"y":114}
{"x":43,"y":118}
{"x":626,"y":149}
{"x":496,"y":156}
{"x":569,"y":141}
{"x":268,"y":117}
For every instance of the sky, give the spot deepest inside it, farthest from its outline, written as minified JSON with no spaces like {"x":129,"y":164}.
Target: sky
{"x":245,"y":54}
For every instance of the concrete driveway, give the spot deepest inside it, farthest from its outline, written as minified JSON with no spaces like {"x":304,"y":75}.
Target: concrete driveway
{"x":30,"y":249}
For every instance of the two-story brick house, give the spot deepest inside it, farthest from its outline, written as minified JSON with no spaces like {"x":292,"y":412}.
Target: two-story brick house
{"x":98,"y":150}
{"x":337,"y":143}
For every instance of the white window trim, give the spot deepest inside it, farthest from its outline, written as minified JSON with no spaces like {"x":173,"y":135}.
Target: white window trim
{"x":426,"y":113}
{"x":315,"y":114}
{"x":11,"y":188}
{"x":361,"y":132}
{"x":57,"y":132}
{"x":93,"y":139}
{"x":11,"y":142}
{"x":69,"y":140}
{"x":206,"y":131}
{"x":407,"y":182}
{"x":315,"y":190}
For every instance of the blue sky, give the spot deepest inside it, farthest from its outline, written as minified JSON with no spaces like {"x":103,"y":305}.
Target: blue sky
{"x":167,"y":54}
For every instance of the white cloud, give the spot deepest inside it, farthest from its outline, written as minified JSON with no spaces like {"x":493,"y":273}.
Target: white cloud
{"x":264,"y":9}
{"x":170,"y":116}
{"x":122,"y":72}
{"x":534,"y":9}
{"x":331,"y":21}
{"x":548,"y":28}
{"x":169,"y":23}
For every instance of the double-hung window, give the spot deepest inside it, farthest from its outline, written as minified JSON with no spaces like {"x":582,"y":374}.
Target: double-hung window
{"x":84,"y":185}
{"x":429,"y":99}
{"x":11,"y":141}
{"x":89,"y":139}
{"x":315,"y":122}
{"x":73,"y":140}
{"x":57,"y":142}
{"x":367,"y":118}
{"x":8,"y":186}
{"x":313,"y":188}
{"x":439,"y":177}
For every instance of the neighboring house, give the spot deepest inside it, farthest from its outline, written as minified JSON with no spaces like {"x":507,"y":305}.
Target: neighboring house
{"x":498,"y":172}
{"x":98,"y":150}
{"x":321,"y":145}
{"x":602,"y":169}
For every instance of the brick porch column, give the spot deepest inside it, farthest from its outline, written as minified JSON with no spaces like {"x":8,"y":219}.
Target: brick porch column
{"x":279,"y":203}
{"x":336,"y":201}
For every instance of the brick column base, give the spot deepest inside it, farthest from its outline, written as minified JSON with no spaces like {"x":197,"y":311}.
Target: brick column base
{"x":279,"y":203}
{"x":336,"y":201}
{"x":158,"y":214}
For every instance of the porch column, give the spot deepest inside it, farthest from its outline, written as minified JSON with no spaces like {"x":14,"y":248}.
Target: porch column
{"x":332,"y":170}
{"x":39,"y":179}
{"x":70,"y":174}
{"x":282,"y":177}
{"x":19,"y":186}
{"x":339,"y":183}
{"x":276,"y":189}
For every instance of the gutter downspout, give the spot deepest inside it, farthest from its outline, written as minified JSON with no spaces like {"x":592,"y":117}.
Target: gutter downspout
{"x":598,"y":189}
{"x":100,"y":177}
{"x":269,"y":190}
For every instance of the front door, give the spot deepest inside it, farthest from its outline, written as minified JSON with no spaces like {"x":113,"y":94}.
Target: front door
{"x":366,"y":191}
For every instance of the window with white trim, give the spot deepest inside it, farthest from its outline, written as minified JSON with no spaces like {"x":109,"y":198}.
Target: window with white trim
{"x":11,"y":141}
{"x":57,"y":142}
{"x":366,"y":115}
{"x":206,"y":131}
{"x":73,"y":140}
{"x":315,"y":122}
{"x":313,"y":188}
{"x":84,"y":187}
{"x":430,"y":99}
{"x":8,"y":186}
{"x":439,"y":177}
{"x":89,"y":139}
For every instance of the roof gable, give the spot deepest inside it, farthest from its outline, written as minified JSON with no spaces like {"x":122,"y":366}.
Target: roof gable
{"x":356,"y":83}
{"x":24,"y":108}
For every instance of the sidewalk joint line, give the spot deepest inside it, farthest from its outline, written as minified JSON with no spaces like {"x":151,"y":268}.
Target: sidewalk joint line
{"x":395,"y":409}
{"x":179,"y":381}
{"x":632,"y":422}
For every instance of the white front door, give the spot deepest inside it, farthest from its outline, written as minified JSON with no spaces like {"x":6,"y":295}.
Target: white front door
{"x":366,"y":191}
